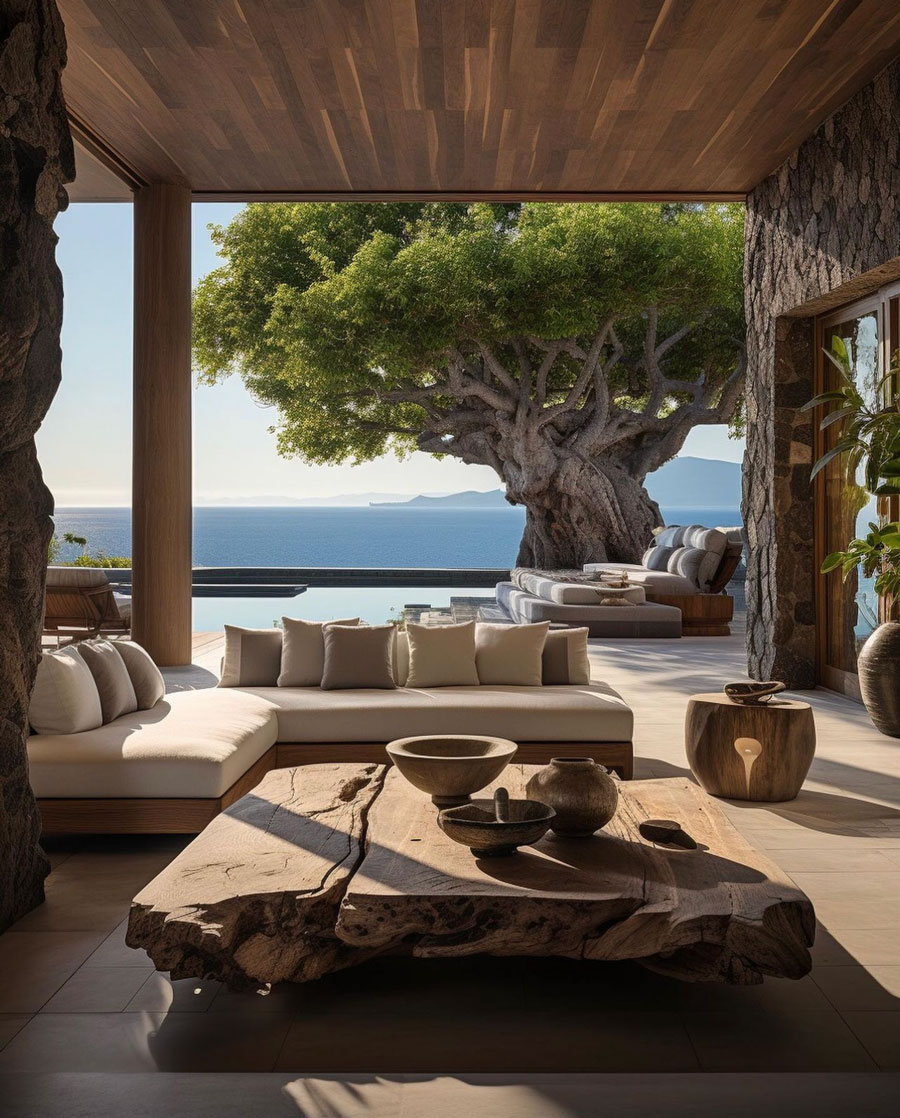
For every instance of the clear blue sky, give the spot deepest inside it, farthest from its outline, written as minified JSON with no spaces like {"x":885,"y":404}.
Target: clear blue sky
{"x":85,"y":442}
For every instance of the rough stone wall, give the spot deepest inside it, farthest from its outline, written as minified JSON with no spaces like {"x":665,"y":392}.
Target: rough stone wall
{"x":822,"y":230}
{"x":36,"y":158}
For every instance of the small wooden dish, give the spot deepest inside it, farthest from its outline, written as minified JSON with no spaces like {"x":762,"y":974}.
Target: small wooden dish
{"x":752,"y":693}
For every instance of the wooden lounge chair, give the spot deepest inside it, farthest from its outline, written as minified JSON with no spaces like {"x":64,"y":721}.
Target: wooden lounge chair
{"x":80,"y":604}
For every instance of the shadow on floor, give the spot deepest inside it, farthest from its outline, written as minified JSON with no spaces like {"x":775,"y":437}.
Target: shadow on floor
{"x":431,"y":1096}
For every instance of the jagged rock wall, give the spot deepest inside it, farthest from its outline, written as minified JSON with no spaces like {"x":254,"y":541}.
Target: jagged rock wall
{"x":821,"y":231}
{"x":36,"y":158}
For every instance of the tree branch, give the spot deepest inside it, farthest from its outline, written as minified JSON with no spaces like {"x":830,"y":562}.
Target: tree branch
{"x":584,"y":378}
{"x":497,"y":370}
{"x":460,"y":383}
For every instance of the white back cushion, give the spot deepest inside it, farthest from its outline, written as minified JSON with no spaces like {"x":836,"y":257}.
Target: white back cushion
{"x":65,"y":699}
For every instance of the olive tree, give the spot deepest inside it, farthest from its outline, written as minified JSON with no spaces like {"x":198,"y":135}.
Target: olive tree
{"x":571,"y":347}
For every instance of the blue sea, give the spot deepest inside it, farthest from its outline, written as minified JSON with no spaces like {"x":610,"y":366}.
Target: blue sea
{"x":335,"y":537}
{"x":340,"y":537}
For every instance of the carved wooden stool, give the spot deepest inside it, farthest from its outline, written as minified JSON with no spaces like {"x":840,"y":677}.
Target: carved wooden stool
{"x":760,"y":752}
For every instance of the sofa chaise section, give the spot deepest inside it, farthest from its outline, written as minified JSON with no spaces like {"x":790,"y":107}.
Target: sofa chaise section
{"x":170,"y":769}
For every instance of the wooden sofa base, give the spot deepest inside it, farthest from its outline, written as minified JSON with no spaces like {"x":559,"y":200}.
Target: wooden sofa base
{"x":702,"y":615}
{"x":189,"y":816}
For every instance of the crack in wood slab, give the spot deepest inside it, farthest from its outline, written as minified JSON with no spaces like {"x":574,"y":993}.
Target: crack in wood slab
{"x":325,"y":866}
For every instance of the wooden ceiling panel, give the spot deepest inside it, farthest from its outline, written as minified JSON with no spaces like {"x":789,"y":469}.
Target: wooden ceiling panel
{"x":465,"y":97}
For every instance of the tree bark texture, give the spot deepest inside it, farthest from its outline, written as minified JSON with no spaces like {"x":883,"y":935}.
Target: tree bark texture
{"x":821,"y":231}
{"x":36,"y":158}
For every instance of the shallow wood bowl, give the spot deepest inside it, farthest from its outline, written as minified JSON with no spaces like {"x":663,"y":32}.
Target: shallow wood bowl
{"x":752,"y":693}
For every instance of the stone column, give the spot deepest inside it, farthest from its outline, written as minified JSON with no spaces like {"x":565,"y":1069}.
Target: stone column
{"x":161,"y":483}
{"x":36,"y":158}
{"x":822,"y":230}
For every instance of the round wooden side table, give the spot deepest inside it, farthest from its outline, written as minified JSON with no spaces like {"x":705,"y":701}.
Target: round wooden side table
{"x":760,"y":752}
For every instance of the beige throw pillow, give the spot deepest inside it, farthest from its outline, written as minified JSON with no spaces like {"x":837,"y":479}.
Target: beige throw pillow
{"x":565,"y":658}
{"x":252,"y":657}
{"x":146,"y":678}
{"x":358,"y":656}
{"x":442,"y":655}
{"x":510,"y":654}
{"x":113,"y":682}
{"x":303,"y":651}
{"x":65,"y":698}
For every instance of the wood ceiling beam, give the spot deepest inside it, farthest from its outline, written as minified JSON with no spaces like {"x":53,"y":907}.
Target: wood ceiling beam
{"x":467,"y":196}
{"x":104,"y":152}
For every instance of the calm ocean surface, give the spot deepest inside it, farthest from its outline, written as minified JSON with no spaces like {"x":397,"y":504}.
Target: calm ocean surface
{"x":335,"y":537}
{"x":340,"y":537}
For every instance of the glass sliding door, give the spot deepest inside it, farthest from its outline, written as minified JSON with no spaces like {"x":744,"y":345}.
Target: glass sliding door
{"x":849,"y":610}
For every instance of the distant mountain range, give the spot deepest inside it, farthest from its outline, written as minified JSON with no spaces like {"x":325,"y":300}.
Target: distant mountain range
{"x":470,"y":499}
{"x":688,"y":482}
{"x":341,"y":500}
{"x":682,"y":483}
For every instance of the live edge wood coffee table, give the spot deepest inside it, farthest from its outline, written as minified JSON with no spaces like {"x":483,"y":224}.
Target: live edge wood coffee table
{"x":326,"y":866}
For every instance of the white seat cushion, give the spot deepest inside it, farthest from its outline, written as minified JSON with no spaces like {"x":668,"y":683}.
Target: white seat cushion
{"x":660,"y":582}
{"x":565,"y":713}
{"x":571,"y":593}
{"x":192,"y":744}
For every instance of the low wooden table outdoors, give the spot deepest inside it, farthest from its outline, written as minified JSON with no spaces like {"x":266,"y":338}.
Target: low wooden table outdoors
{"x":325,"y":866}
{"x":760,"y":751}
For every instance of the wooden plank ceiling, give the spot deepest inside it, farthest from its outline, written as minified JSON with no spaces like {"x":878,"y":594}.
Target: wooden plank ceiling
{"x":581,"y":97}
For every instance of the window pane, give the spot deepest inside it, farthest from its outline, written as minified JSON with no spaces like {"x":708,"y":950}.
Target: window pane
{"x":851,"y":608}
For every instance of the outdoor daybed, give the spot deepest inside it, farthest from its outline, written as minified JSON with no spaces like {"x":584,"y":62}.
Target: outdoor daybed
{"x":172,"y":768}
{"x":688,"y":567}
{"x":678,"y":588}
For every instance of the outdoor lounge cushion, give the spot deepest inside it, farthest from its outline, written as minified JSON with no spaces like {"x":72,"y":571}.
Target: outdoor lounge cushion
{"x":65,"y":699}
{"x":146,"y":678}
{"x":578,"y":713}
{"x":358,"y":656}
{"x":648,"y":620}
{"x":441,"y":655}
{"x":192,"y":744}
{"x":658,"y":582}
{"x":511,"y":654}
{"x":565,"y":658}
{"x":252,"y":657}
{"x":303,"y":651}
{"x":114,"y":686}
{"x":568,"y":593}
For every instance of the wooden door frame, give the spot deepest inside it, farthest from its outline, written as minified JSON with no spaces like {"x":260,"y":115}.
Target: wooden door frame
{"x":834,"y":678}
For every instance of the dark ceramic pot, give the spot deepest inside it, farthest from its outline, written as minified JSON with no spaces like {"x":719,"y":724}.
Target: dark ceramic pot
{"x":581,"y":792}
{"x":879,"y":677}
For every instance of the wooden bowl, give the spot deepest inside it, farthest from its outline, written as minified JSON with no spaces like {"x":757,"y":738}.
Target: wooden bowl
{"x":752,"y":693}
{"x":475,"y":825}
{"x":453,"y":766}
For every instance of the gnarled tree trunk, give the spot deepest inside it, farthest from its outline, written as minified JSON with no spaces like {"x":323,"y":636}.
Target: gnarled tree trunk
{"x":585,"y":512}
{"x":36,"y":158}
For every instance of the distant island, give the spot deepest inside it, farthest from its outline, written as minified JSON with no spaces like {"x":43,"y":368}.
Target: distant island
{"x":682,"y":483}
{"x":470,"y":499}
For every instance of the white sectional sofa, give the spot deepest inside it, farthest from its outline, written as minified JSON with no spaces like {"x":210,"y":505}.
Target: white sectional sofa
{"x":174,"y":767}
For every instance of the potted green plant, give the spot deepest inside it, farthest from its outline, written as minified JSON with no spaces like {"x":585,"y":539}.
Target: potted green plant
{"x":869,"y":440}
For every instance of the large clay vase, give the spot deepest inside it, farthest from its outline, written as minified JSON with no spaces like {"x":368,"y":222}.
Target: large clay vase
{"x":581,"y":792}
{"x":879,"y":677}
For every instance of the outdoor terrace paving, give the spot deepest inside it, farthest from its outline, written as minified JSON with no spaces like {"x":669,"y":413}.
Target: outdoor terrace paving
{"x":73,"y":998}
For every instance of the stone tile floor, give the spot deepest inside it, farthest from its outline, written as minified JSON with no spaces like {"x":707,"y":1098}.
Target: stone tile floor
{"x":74,"y":999}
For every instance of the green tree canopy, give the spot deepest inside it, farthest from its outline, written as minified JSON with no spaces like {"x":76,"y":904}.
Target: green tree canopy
{"x":541,"y":339}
